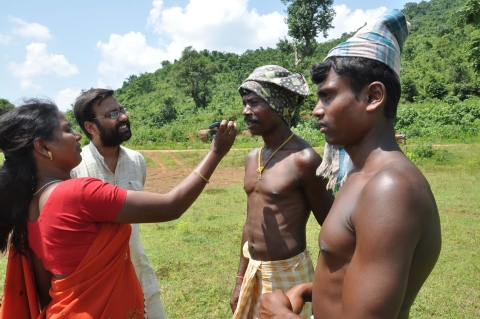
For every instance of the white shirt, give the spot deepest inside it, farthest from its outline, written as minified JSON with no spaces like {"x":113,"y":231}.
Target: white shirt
{"x":130,"y":174}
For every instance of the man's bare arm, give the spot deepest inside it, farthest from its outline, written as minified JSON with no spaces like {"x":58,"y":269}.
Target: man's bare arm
{"x":388,"y":223}
{"x":319,"y":198}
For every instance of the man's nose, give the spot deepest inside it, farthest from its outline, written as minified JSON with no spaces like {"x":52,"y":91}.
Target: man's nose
{"x":318,"y":111}
{"x":247,"y":110}
{"x":122,"y":117}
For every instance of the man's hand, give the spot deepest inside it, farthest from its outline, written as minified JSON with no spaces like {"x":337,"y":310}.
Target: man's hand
{"x":276,"y":305}
{"x":235,"y":295}
{"x":298,"y":295}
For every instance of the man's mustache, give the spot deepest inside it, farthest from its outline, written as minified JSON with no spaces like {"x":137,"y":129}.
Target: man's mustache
{"x":249,"y":119}
{"x":127,"y":123}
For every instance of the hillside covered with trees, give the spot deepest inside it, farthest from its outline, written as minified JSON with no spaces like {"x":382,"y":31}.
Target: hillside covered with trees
{"x":440,"y":80}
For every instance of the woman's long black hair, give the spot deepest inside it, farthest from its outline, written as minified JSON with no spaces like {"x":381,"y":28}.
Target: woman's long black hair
{"x":19,"y":128}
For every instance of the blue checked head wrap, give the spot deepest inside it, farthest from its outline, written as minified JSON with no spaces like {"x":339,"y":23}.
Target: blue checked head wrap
{"x":381,"y":40}
{"x":280,"y":88}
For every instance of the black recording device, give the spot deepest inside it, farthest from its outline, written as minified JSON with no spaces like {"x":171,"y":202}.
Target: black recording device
{"x":214,"y":125}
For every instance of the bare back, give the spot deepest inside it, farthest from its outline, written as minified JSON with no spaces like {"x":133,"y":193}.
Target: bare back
{"x":279,"y":203}
{"x":378,"y":244}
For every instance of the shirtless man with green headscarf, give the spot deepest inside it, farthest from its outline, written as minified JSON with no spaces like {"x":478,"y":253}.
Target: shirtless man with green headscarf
{"x":282,"y":190}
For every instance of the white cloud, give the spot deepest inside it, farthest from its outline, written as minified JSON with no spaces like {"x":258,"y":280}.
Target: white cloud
{"x":126,"y":55}
{"x":204,"y":24}
{"x":347,"y":21}
{"x":39,"y":62}
{"x":4,"y":39}
{"x":155,"y":14}
{"x":101,"y":84}
{"x":27,"y":84}
{"x":65,"y":98}
{"x":31,"y":30}
{"x":216,"y":25}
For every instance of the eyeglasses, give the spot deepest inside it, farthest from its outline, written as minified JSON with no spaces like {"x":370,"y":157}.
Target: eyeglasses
{"x":114,"y":114}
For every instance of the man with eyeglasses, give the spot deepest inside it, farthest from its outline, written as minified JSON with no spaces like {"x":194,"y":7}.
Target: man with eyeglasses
{"x":106,"y":124}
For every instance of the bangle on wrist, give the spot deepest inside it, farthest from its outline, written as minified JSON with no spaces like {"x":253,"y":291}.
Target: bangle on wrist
{"x":201,"y":176}
{"x":240,"y":277}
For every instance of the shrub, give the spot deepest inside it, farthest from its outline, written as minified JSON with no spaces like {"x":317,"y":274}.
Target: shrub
{"x":423,"y":151}
{"x":436,"y":90}
{"x":409,"y":90}
{"x":308,"y":130}
{"x":166,"y":114}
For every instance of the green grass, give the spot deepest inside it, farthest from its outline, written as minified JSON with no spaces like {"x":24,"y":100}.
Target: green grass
{"x":196,"y":257}
{"x":197,"y":260}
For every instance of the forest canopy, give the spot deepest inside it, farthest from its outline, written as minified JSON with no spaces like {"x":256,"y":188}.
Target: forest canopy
{"x":439,"y":76}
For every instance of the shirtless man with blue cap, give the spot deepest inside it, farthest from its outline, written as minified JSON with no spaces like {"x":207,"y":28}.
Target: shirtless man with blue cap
{"x":381,"y":238}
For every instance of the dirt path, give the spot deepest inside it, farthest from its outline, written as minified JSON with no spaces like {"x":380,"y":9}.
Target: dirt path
{"x":162,"y":179}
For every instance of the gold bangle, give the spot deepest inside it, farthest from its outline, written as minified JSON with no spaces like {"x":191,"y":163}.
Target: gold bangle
{"x":201,"y":176}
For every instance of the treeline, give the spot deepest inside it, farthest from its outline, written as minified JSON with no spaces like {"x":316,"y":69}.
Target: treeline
{"x":440,"y":82}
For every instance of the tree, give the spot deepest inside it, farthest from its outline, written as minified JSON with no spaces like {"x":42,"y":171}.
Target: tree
{"x":474,"y":55}
{"x":167,"y":112}
{"x":409,"y":90}
{"x":5,"y":106}
{"x":305,"y":20}
{"x":469,"y":14}
{"x":194,"y":72}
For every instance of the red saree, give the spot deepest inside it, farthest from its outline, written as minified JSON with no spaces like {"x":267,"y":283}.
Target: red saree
{"x":19,"y":295}
{"x":103,"y":286}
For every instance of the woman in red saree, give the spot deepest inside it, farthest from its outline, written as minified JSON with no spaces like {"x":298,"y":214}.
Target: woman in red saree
{"x":68,"y":238}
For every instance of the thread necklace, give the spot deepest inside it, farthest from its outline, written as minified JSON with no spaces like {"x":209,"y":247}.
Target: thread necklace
{"x":49,"y":183}
{"x":260,"y":167}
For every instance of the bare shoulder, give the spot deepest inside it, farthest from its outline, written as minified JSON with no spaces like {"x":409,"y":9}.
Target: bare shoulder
{"x":252,"y":154}
{"x":251,"y":158}
{"x":305,"y":156}
{"x":399,"y":175}
{"x":401,"y":186}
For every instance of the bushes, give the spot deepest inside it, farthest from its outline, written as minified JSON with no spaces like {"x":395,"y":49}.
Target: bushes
{"x":166,"y":114}
{"x":409,"y":90}
{"x":308,"y":130}
{"x":436,"y":90}
{"x":425,"y":152}
{"x":439,"y":120}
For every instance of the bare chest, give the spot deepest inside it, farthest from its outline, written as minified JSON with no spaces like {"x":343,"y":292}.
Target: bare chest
{"x":278,"y":180}
{"x":337,"y":238}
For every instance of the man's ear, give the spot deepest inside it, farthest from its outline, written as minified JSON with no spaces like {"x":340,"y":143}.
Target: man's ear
{"x":40,"y":147}
{"x":90,"y":127}
{"x":377,"y":96}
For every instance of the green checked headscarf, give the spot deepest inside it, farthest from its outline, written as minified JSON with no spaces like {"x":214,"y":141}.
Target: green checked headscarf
{"x":282,"y":89}
{"x":381,"y":39}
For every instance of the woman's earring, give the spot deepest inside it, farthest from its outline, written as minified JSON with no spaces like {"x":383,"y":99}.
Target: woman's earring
{"x":50,"y":155}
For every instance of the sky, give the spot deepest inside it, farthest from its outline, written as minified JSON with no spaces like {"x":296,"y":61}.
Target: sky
{"x":55,"y":48}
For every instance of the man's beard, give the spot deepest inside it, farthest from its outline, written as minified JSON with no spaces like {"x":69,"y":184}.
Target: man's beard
{"x":112,"y":137}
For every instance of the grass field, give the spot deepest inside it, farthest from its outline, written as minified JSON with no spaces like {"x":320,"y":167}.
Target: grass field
{"x":196,"y":257}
